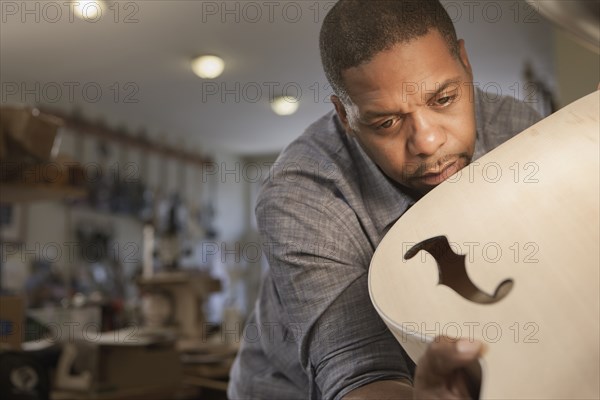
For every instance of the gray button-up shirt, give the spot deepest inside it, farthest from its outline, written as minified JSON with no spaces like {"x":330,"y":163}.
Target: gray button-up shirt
{"x":321,"y":213}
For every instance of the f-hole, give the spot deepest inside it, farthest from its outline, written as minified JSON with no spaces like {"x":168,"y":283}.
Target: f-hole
{"x":453,"y":272}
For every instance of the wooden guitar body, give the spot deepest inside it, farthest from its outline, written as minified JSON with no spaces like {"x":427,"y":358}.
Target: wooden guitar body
{"x":506,"y":251}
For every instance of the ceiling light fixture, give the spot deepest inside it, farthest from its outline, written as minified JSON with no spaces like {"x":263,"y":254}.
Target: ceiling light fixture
{"x":89,"y":10}
{"x":285,"y":105}
{"x":208,"y":67}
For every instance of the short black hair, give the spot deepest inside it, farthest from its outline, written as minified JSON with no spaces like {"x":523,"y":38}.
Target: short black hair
{"x":354,"y":31}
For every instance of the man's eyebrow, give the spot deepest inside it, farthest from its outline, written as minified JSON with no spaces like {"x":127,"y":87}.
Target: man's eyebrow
{"x":369,"y":115}
{"x":442,"y":87}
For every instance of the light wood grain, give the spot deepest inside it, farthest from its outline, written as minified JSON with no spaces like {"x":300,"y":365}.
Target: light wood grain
{"x":543,"y":337}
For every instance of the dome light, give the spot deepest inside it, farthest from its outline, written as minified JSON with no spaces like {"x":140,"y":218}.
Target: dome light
{"x":285,"y":105}
{"x":208,"y":67}
{"x":89,"y":10}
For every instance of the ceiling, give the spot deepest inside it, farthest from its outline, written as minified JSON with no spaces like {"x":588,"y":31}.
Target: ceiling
{"x":132,"y":69}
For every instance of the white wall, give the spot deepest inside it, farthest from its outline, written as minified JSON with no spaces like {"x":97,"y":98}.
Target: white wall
{"x":229,"y":198}
{"x":500,"y":37}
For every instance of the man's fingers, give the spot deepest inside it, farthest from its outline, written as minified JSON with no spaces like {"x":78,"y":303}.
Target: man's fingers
{"x":469,"y":348}
{"x":449,"y":369}
{"x":445,"y":355}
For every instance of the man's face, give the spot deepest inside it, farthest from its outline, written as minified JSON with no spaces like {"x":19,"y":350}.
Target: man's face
{"x":412,"y":111}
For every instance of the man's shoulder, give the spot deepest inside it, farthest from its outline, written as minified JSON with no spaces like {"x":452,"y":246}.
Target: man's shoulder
{"x":500,"y":117}
{"x":312,"y":195}
{"x":314,"y":161}
{"x":323,"y":139}
{"x":502,"y":109}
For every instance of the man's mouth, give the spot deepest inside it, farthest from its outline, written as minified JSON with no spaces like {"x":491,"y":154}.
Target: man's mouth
{"x":437,"y":175}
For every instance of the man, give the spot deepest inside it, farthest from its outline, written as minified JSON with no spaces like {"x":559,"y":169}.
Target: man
{"x":406,"y":117}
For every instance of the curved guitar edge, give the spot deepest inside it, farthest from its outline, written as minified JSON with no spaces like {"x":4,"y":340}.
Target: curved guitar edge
{"x":412,"y":341}
{"x":415,"y":344}
{"x":389,"y":301}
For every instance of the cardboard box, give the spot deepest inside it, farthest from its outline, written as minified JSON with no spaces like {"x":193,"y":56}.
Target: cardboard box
{"x":33,"y":132}
{"x":12,"y":315}
{"x":111,"y":362}
{"x":128,"y":367}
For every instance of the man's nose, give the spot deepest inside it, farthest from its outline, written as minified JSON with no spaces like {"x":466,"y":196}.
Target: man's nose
{"x":426,"y":135}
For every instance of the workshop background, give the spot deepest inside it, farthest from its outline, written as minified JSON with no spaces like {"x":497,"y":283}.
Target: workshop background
{"x":129,"y":256}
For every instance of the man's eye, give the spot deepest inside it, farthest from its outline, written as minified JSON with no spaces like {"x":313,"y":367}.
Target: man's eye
{"x":445,"y":101}
{"x":387,"y":124}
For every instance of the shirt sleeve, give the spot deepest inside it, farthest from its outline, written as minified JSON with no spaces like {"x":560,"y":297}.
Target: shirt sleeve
{"x":319,"y":257}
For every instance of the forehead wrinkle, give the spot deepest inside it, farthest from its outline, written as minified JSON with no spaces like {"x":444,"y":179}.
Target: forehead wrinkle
{"x":398,"y":79}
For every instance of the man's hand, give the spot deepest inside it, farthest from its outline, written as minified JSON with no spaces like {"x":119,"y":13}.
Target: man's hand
{"x":449,"y":370}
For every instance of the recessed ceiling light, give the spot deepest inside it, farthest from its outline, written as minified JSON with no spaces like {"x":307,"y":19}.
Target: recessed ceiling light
{"x":208,"y":67}
{"x":285,"y":105}
{"x":89,"y":10}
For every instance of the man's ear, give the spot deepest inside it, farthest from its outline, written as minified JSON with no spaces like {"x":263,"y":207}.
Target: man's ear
{"x":464,"y":58}
{"x":342,"y":113}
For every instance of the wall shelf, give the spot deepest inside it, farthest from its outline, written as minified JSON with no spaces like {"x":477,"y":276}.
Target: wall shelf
{"x":18,"y":193}
{"x":89,"y":128}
